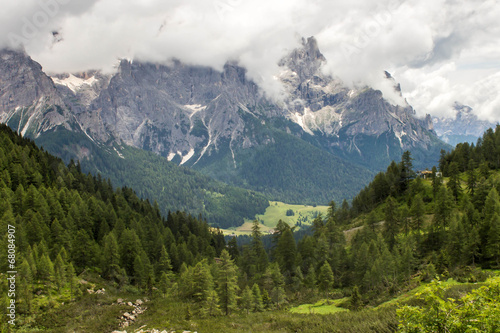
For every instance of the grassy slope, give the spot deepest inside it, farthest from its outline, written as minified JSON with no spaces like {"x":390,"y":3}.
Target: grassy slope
{"x":277,"y":211}
{"x":320,"y":307}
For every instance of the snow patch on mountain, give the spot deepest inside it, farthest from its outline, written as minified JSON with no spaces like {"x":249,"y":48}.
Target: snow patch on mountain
{"x":74,"y":83}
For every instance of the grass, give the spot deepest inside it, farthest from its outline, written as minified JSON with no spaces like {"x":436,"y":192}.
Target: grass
{"x":276,"y":211}
{"x":302,"y":213}
{"x":321,"y":307}
{"x":164,"y":314}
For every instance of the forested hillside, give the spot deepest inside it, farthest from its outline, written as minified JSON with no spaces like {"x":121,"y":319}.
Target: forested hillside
{"x":75,"y":232}
{"x":154,"y":178}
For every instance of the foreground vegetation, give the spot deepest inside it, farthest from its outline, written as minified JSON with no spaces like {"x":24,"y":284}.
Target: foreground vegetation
{"x":75,"y":233}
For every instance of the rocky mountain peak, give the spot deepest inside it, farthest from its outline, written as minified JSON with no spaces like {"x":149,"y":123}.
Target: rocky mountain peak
{"x":305,"y":61}
{"x":464,"y":126}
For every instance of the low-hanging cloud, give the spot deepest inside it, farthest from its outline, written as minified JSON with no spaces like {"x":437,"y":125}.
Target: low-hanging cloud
{"x":435,"y":48}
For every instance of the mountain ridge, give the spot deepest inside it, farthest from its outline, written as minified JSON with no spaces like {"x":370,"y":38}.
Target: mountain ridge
{"x":215,"y":121}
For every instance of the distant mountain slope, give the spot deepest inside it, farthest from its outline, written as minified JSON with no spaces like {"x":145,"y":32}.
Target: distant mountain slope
{"x":464,"y":127}
{"x":172,"y":187}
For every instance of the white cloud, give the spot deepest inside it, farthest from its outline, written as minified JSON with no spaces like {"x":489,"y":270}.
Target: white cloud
{"x":438,"y":49}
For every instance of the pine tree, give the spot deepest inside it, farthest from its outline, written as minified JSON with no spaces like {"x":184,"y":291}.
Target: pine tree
{"x":257,"y":304}
{"x":391,"y":221}
{"x":71,"y":277}
{"x":437,"y":182}
{"x":246,"y":299}
{"x":139,"y":272}
{"x":332,"y":209}
{"x":472,"y":248}
{"x":211,"y":306}
{"x":227,"y":283}
{"x":276,"y":283}
{"x":164,"y":284}
{"x":164,"y":264}
{"x":258,"y":251}
{"x":286,"y":253}
{"x":403,"y":214}
{"x":310,"y":280}
{"x":472,"y":178}
{"x":318,"y":225}
{"x":493,"y":241}
{"x":45,"y":268}
{"x":356,"y":301}
{"x":25,"y":280}
{"x":111,"y":256}
{"x":442,"y":209}
{"x":202,"y":281}
{"x":59,"y":272}
{"x":418,"y":211}
{"x":407,"y":172}
{"x":266,"y":300}
{"x":371,"y":221}
{"x":233,"y":248}
{"x":454,"y":180}
{"x":325,"y":279}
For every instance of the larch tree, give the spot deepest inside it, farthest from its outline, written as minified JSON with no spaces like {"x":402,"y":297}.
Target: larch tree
{"x":325,"y":279}
{"x":227,"y":286}
{"x":391,"y":227}
{"x":257,"y":303}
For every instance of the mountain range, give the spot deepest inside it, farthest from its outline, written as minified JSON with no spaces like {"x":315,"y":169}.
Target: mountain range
{"x":464,"y":127}
{"x":323,"y":141}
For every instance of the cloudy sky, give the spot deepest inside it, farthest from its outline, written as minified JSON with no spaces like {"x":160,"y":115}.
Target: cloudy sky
{"x":441,"y":51}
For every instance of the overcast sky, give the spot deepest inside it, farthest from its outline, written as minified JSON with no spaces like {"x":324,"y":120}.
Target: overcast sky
{"x":440,"y":51}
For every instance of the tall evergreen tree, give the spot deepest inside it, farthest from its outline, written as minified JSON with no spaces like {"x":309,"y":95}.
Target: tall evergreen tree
{"x":286,"y":253}
{"x":493,"y":241}
{"x":227,"y":283}
{"x":246,"y":299}
{"x":418,"y":211}
{"x":325,"y":279}
{"x":257,"y":303}
{"x":391,"y":227}
{"x":454,"y":180}
{"x":111,"y":256}
{"x":406,"y":168}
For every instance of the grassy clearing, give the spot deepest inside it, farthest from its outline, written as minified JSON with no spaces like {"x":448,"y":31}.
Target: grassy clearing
{"x":302,"y":214}
{"x":321,"y":307}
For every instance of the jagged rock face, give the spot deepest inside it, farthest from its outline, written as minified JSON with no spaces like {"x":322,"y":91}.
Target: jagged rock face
{"x":189,"y":113}
{"x":29,"y":100}
{"x":175,"y":110}
{"x":464,"y":127}
{"x":323,"y":106}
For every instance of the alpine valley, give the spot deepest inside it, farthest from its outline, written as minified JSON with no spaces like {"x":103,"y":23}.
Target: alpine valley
{"x":169,"y":130}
